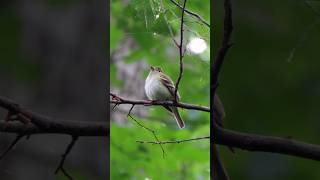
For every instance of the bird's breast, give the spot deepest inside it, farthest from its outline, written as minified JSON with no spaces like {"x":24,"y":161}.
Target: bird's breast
{"x":155,"y":90}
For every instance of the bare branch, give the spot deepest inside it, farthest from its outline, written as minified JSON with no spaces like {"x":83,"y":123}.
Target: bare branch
{"x":64,"y":156}
{"x":119,"y":100}
{"x":181,"y":52}
{"x":60,"y":127}
{"x":253,"y":142}
{"x":169,"y":27}
{"x":192,"y":13}
{"x":219,"y":58}
{"x":308,"y":4}
{"x":33,"y":123}
{"x":45,"y":125}
{"x":174,"y":142}
{"x":148,"y":129}
{"x":14,"y":142}
{"x":214,"y":75}
{"x":245,"y":141}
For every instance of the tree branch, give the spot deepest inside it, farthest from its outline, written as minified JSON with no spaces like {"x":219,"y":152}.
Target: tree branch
{"x":148,"y":129}
{"x":174,"y":142}
{"x":219,"y":58}
{"x":191,"y":13}
{"x":61,"y":127}
{"x":119,"y":100}
{"x":34,"y":123}
{"x":14,"y":142}
{"x":214,"y":75}
{"x":253,"y":142}
{"x":181,"y":51}
{"x":63,"y":158}
{"x":45,"y":125}
{"x":245,"y":141}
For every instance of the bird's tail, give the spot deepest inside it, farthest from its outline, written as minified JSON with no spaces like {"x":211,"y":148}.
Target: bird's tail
{"x":219,"y":173}
{"x":177,"y":117}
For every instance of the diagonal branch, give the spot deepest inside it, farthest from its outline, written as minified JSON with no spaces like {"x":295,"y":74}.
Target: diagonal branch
{"x":169,"y":26}
{"x":14,"y":142}
{"x":191,"y":13}
{"x":64,"y":156}
{"x":148,"y":129}
{"x":308,"y":4}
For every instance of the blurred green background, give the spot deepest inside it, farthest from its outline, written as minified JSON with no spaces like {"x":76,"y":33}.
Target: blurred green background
{"x":270,"y":83}
{"x":140,"y":37}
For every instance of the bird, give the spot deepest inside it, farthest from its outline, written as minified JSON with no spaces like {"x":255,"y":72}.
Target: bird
{"x":160,"y":87}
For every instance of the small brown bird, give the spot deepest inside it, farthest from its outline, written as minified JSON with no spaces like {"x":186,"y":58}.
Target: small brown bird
{"x":159,"y":87}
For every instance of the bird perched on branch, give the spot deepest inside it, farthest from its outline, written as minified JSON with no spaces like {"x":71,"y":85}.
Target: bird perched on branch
{"x":159,"y":87}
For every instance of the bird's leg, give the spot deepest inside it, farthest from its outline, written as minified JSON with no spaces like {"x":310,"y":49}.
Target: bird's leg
{"x":116,"y":98}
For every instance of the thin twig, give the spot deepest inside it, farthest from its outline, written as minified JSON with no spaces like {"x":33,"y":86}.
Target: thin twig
{"x":65,"y":173}
{"x":191,"y":13}
{"x":14,"y":142}
{"x":173,"y":142}
{"x":168,"y":25}
{"x":306,"y":32}
{"x":302,"y":39}
{"x":181,"y":52}
{"x":186,"y":27}
{"x":64,"y":156}
{"x":148,"y":129}
{"x":307,"y":3}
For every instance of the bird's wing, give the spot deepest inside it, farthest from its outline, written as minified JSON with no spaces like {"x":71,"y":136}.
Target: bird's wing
{"x":167,"y":82}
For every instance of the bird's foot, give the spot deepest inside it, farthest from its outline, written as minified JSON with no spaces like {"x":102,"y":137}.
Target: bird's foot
{"x":12,"y":116}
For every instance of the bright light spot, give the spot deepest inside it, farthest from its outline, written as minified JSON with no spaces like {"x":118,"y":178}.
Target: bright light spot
{"x":157,"y":16}
{"x":147,"y":178}
{"x":197,"y":45}
{"x":154,"y":33}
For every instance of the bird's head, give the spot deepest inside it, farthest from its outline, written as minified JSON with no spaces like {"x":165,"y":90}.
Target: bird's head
{"x":155,"y":69}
